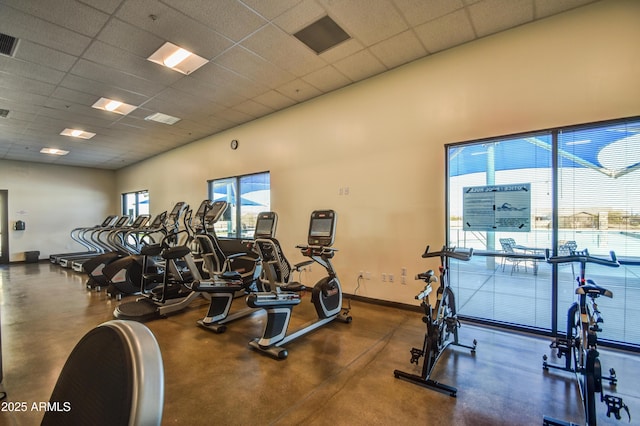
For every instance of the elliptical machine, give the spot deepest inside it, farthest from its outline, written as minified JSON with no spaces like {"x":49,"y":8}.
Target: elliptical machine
{"x":173,"y":295}
{"x":326,"y":294}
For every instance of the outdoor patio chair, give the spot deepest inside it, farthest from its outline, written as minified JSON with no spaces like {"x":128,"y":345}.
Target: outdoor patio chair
{"x":508,"y":245}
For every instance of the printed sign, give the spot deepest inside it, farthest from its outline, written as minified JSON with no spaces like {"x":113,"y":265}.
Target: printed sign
{"x":498,"y":208}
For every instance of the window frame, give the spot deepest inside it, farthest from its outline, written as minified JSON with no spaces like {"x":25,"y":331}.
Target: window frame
{"x":235,"y":211}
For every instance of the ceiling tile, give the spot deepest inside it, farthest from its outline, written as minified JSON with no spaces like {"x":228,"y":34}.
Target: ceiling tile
{"x":229,"y":17}
{"x":30,"y":70}
{"x":120,"y":61}
{"x":27,"y":27}
{"x":492,"y":16}
{"x":253,"y":108}
{"x":69,"y":14}
{"x":171,"y":25}
{"x":545,"y":8}
{"x":130,"y":38}
{"x":445,"y":32}
{"x":283,"y":50}
{"x":299,"y":16}
{"x":327,"y":79}
{"x":18,"y":84}
{"x":360,"y":66}
{"x":42,"y":55}
{"x":274,"y":100}
{"x":399,"y":49}
{"x":73,"y":52}
{"x":370,"y":21}
{"x":102,"y":74}
{"x":99,"y":90}
{"x":108,"y":6}
{"x":417,"y":12}
{"x":257,"y":69}
{"x":299,"y":90}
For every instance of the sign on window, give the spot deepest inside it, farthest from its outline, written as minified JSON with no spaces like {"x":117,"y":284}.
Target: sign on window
{"x":499,"y":208}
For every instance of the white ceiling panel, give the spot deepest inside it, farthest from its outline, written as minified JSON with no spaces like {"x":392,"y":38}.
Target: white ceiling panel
{"x":452,"y":29}
{"x":278,"y":47}
{"x":73,"y":15}
{"x":399,"y":49}
{"x":230,"y":18}
{"x":70,"y":53}
{"x":327,"y":79}
{"x":416,"y":12}
{"x":19,"y":24}
{"x":370,"y":21}
{"x":492,"y":16}
{"x":360,"y":65}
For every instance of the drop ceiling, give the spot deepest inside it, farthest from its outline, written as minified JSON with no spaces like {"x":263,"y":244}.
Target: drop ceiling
{"x":71,"y":53}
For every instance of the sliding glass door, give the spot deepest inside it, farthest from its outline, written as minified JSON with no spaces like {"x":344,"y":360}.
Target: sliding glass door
{"x":564,"y":189}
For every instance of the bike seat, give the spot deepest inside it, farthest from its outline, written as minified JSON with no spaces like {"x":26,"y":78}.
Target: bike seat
{"x":592,"y":289}
{"x":294,"y":286}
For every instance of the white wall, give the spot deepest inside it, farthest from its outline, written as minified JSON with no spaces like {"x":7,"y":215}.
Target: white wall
{"x":384,"y":138}
{"x":52,"y":200}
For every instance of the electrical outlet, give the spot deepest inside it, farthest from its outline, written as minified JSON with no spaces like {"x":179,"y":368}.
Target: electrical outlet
{"x":390,"y":278}
{"x":367,"y":275}
{"x":403,"y":271}
{"x":361,"y":274}
{"x":384,"y":277}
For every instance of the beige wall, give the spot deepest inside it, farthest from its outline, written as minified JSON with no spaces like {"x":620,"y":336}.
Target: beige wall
{"x":52,"y":200}
{"x":383,"y":138}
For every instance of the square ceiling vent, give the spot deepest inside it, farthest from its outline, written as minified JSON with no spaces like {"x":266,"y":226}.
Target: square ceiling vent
{"x":322,"y":35}
{"x":8,"y":44}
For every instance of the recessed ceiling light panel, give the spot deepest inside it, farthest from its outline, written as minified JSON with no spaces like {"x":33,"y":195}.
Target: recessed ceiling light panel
{"x":175,"y":57}
{"x":111,"y":105}
{"x":162,"y":118}
{"x":54,"y":151}
{"x":76,"y":133}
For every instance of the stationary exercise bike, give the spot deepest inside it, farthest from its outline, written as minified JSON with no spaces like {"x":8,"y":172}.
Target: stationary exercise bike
{"x":579,"y":346}
{"x":224,"y":284}
{"x":326,"y":294}
{"x":441,"y":321}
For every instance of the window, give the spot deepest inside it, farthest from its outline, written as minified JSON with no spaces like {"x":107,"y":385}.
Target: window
{"x":135,"y":203}
{"x":580,"y":187}
{"x":247,"y":196}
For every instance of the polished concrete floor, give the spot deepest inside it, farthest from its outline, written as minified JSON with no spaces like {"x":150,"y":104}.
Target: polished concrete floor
{"x":340,"y":374}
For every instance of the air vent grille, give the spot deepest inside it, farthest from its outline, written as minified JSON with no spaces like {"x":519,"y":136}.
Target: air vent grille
{"x":4,"y":113}
{"x":7,"y":44}
{"x":322,"y":35}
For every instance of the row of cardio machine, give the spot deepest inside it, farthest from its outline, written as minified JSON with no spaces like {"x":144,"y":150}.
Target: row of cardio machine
{"x":198,"y":267}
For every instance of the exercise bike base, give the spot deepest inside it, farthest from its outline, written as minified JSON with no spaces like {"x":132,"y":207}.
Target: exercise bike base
{"x":550,"y":421}
{"x":428,"y":383}
{"x":276,"y":352}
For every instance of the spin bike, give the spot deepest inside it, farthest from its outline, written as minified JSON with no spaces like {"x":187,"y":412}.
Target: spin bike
{"x":441,"y":320}
{"x":580,"y":345}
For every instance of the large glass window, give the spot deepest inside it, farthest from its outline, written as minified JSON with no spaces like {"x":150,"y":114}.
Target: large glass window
{"x":135,"y":203}
{"x":246,"y":196}
{"x":564,"y":189}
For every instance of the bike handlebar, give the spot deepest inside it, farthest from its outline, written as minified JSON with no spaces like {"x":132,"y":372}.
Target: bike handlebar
{"x":583,"y":256}
{"x":451,"y":252}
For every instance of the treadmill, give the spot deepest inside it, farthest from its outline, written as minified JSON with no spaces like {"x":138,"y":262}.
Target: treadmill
{"x":78,"y":235}
{"x":94,"y":236}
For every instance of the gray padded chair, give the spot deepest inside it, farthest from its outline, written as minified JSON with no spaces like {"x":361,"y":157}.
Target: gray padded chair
{"x":114,"y":376}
